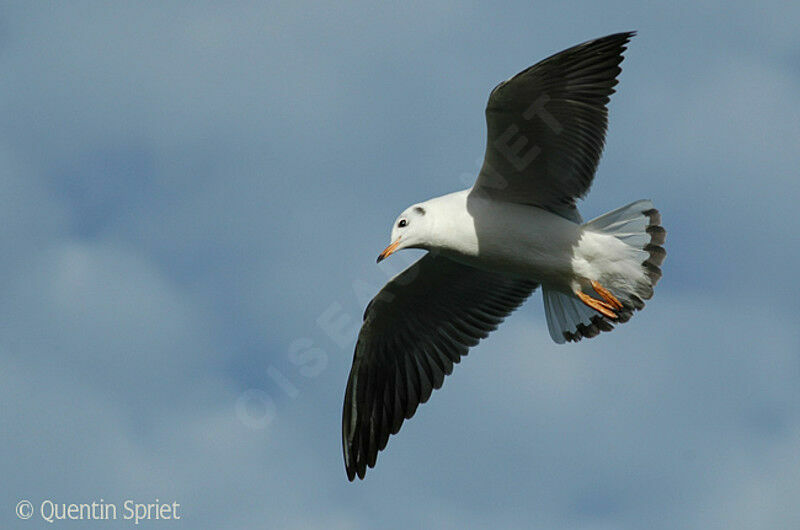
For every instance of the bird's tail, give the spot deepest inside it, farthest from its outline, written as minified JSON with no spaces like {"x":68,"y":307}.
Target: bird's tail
{"x":635,"y":271}
{"x":638,"y":225}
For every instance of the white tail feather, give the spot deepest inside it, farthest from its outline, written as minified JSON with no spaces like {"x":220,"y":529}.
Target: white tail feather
{"x":638,"y":226}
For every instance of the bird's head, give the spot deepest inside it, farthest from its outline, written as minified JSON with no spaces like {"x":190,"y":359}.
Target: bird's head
{"x":410,"y":230}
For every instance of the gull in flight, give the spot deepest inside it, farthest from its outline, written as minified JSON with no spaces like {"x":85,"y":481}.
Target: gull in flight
{"x":492,"y":245}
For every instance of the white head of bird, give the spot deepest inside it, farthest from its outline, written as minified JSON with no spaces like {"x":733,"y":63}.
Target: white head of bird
{"x":411,"y":229}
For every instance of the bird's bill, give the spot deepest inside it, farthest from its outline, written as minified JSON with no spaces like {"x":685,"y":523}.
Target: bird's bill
{"x":389,"y":250}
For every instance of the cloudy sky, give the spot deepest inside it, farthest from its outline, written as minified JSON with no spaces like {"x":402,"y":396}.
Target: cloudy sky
{"x":191,"y":201}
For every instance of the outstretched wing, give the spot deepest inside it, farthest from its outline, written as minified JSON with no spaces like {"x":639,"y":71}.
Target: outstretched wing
{"x":417,"y":326}
{"x":547,"y":125}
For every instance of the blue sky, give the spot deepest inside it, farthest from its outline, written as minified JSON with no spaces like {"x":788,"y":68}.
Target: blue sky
{"x":191,"y":201}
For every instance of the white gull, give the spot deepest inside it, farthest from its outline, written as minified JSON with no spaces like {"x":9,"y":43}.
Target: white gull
{"x":491,"y":245}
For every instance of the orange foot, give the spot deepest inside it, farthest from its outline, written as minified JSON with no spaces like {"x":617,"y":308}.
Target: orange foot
{"x":605,"y":308}
{"x":607,"y":296}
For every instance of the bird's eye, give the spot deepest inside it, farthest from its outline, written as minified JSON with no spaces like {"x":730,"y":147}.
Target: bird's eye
{"x":402,"y":223}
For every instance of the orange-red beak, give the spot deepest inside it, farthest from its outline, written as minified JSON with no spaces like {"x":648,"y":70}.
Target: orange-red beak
{"x":388,"y":250}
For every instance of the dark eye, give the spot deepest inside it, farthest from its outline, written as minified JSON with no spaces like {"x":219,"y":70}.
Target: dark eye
{"x":402,"y":223}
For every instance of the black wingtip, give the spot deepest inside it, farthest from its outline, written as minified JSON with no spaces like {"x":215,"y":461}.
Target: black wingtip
{"x":621,"y":39}
{"x":622,"y":35}
{"x":354,"y":469}
{"x":628,"y":35}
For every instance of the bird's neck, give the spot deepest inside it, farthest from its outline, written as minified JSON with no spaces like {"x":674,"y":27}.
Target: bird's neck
{"x":453,"y":228}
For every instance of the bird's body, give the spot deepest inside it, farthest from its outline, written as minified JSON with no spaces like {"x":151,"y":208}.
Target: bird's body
{"x":492,"y":245}
{"x":480,"y":232}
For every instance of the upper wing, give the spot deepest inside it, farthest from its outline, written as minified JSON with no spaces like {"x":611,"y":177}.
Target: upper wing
{"x":547,"y":126}
{"x":416,"y":327}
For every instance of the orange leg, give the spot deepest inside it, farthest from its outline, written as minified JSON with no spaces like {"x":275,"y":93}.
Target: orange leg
{"x":607,"y":296}
{"x":598,"y":305}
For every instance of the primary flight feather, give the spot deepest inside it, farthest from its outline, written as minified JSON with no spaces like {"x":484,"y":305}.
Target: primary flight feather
{"x":492,"y":245}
